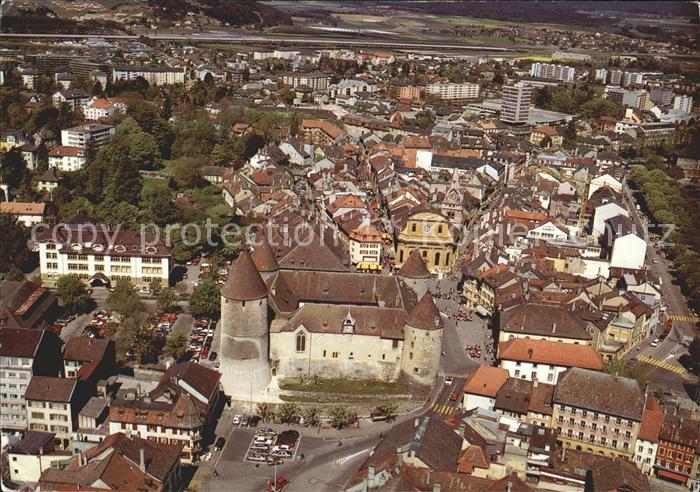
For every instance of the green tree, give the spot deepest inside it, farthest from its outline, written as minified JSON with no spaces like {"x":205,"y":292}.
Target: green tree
{"x":13,"y":247}
{"x":388,"y":409}
{"x":628,"y":369}
{"x":339,"y":417}
{"x":166,"y":299}
{"x":176,"y":345}
{"x":13,"y":170}
{"x":312,"y":417}
{"x":266,"y":412}
{"x":14,"y":274}
{"x":124,"y":299}
{"x":289,"y":413}
{"x":73,"y":294}
{"x":205,"y":299}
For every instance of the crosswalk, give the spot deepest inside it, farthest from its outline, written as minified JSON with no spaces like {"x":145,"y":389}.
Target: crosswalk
{"x":662,"y":364}
{"x":443,"y":409}
{"x":683,"y":317}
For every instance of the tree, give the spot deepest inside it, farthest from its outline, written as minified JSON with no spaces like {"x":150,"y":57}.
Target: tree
{"x":13,"y":170}
{"x":628,"y":369}
{"x":266,"y":412}
{"x":13,"y":247}
{"x":387,"y":409}
{"x":176,"y":345}
{"x":289,"y":413}
{"x":312,"y":417}
{"x":124,"y":299}
{"x":73,"y":294}
{"x":205,"y":299}
{"x":339,"y":417}
{"x":14,"y":274}
{"x":166,"y":299}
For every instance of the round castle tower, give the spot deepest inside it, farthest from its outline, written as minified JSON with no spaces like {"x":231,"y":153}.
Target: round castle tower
{"x":415,"y":274}
{"x":263,"y":258}
{"x":422,"y":342}
{"x":245,"y":368}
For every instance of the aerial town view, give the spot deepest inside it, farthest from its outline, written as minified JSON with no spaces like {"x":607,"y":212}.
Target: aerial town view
{"x":278,"y":245}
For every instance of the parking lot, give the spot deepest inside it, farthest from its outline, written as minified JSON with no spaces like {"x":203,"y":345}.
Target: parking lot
{"x":268,"y":446}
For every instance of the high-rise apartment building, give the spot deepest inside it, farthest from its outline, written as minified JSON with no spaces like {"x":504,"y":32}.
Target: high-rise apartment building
{"x":516,"y":103}
{"x":683,"y":103}
{"x":551,"y":71}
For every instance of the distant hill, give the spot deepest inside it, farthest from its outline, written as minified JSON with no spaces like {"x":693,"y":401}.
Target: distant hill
{"x":233,"y":12}
{"x":44,"y":20}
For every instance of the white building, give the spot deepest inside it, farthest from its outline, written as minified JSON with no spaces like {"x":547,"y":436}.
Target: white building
{"x":548,"y":232}
{"x":97,"y":253}
{"x":366,"y":244}
{"x":481,"y":388}
{"x":66,"y":158}
{"x":648,"y":438}
{"x":604,"y":180}
{"x":80,"y":136}
{"x":516,"y":103}
{"x":544,"y":361}
{"x":683,"y":103}
{"x":552,"y":71}
{"x":453,"y":91}
{"x":29,"y":77}
{"x":50,"y":407}
{"x":628,"y":251}
{"x":33,"y":454}
{"x":603,"y":213}
{"x":601,"y":75}
{"x":74,"y":98}
{"x":26,"y":213}
{"x":98,"y":108}
{"x":350,"y":87}
{"x":154,"y":75}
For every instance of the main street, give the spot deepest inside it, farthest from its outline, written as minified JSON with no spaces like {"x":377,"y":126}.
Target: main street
{"x":665,"y":357}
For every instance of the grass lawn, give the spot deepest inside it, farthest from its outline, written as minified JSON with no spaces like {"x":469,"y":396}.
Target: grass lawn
{"x":345,"y":386}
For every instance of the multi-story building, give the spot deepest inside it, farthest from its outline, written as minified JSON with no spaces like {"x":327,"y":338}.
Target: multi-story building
{"x":26,"y":213}
{"x":615,"y":77}
{"x":67,"y":159}
{"x":430,"y":233}
{"x":24,"y":353}
{"x":53,"y":405}
{"x":179,"y":411}
{"x":679,"y":440}
{"x":99,"y":254}
{"x":154,"y":75}
{"x":366,"y":246}
{"x":552,"y":71}
{"x":661,"y":96}
{"x":98,"y":108}
{"x":74,"y":98}
{"x":598,"y":412}
{"x":601,"y":75}
{"x":318,"y":82}
{"x":321,"y":132}
{"x":648,"y":438}
{"x":29,"y":77}
{"x":82,"y":135}
{"x":683,"y":103}
{"x":465,"y":90}
{"x":516,"y":103}
{"x":545,"y":361}
{"x":411,"y":92}
{"x":633,"y":78}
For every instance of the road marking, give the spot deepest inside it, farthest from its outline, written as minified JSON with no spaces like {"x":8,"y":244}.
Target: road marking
{"x":344,"y":459}
{"x":683,"y":317}
{"x":662,"y":364}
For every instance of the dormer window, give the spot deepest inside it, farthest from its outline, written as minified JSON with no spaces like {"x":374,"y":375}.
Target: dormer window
{"x":348,"y":324}
{"x":120,"y":248}
{"x":151,"y":250}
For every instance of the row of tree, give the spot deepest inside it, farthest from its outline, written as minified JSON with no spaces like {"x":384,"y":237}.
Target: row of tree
{"x":338,"y":416}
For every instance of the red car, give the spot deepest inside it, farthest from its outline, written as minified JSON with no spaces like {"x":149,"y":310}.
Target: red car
{"x":454,"y":395}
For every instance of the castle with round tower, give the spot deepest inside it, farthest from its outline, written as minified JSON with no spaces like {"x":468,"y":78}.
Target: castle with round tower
{"x":299,"y":314}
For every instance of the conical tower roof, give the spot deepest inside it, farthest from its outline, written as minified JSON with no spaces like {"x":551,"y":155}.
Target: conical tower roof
{"x":414,"y":266}
{"x":263,"y":257}
{"x":426,"y":315}
{"x":244,"y":281}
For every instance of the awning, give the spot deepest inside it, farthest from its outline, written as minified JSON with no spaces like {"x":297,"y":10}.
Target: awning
{"x":673,"y":476}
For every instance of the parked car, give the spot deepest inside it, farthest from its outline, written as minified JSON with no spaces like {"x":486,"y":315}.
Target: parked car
{"x":454,"y":395}
{"x":236,"y":419}
{"x":449,"y":381}
{"x":219,"y":445}
{"x":656,"y":342}
{"x":212,"y":356}
{"x":258,"y":457}
{"x":245,"y":421}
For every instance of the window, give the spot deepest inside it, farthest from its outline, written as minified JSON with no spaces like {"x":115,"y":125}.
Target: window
{"x":413,"y":227}
{"x":437,"y":258}
{"x":324,"y":353}
{"x":440,"y":229}
{"x":335,"y":355}
{"x":301,"y":342}
{"x":410,"y":355}
{"x":394,"y":344}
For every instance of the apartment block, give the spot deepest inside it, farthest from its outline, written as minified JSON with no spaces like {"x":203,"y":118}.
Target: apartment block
{"x":82,"y":135}
{"x":516,"y":103}
{"x":453,"y":91}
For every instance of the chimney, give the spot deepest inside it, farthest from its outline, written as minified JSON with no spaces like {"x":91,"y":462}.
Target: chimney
{"x":535,"y":383}
{"x":509,"y":487}
{"x":529,"y":353}
{"x":142,"y":460}
{"x":370,"y":472}
{"x":436,"y":487}
{"x":416,"y":422}
{"x":554,"y":327}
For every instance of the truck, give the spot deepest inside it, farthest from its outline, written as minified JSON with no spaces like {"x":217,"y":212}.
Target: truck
{"x":667,"y":330}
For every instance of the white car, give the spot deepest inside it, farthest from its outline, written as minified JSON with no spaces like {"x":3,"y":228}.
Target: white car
{"x":656,"y":342}
{"x":448,"y":381}
{"x":236,"y":419}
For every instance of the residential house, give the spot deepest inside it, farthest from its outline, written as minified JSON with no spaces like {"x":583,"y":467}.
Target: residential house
{"x":481,"y":388}
{"x":648,"y":438}
{"x":27,"y":214}
{"x":32,"y":454}
{"x":66,"y":158}
{"x":366,"y":243}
